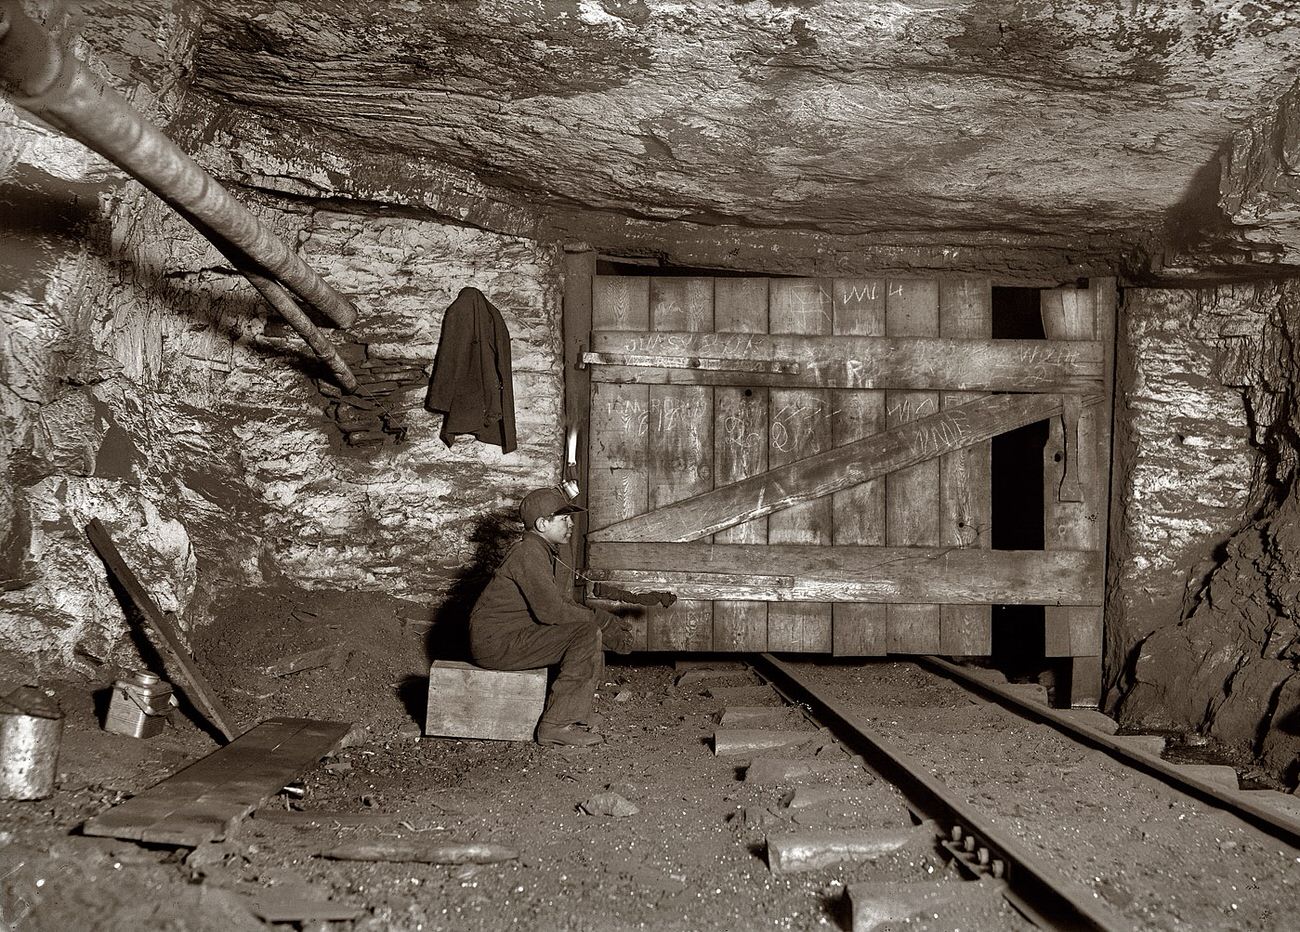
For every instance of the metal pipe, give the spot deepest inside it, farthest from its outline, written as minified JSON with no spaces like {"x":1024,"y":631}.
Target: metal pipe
{"x":59,"y":89}
{"x":284,"y":303}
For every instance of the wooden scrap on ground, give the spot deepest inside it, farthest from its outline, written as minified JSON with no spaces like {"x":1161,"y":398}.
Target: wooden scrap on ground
{"x":765,"y":770}
{"x":1283,"y":804}
{"x":1144,"y":744}
{"x":191,"y":679}
{"x":844,"y":807}
{"x":450,"y":852}
{"x":729,"y":741}
{"x":305,"y":819}
{"x":695,"y":663}
{"x":274,"y":906}
{"x":812,"y":850}
{"x":201,"y":802}
{"x":333,"y":656}
{"x":714,"y":675}
{"x":750,"y":714}
{"x":747,"y":695}
{"x":1222,"y":776}
{"x":891,"y":904}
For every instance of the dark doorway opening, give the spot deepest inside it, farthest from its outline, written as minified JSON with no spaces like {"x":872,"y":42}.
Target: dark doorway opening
{"x":1017,"y":497}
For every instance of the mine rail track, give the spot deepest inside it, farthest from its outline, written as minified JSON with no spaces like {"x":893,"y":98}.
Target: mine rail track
{"x":1239,"y":802}
{"x":982,"y":851}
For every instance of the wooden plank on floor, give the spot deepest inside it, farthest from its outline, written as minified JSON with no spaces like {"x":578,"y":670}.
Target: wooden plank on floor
{"x":912,"y":493}
{"x":858,"y":628}
{"x":965,"y":477}
{"x":799,"y":425}
{"x":680,"y":451}
{"x":201,"y":802}
{"x":740,"y":451}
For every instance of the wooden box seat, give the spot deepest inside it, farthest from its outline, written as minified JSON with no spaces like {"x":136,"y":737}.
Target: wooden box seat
{"x":466,"y":701}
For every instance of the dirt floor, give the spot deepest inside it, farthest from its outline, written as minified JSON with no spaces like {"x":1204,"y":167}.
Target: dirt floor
{"x":650,"y":831}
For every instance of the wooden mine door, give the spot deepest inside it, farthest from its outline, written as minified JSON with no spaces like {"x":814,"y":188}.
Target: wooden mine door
{"x":805,"y":462}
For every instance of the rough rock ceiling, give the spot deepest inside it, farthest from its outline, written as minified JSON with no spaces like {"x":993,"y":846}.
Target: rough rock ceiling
{"x":1025,"y":118}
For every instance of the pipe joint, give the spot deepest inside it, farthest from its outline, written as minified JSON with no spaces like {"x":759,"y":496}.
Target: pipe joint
{"x":31,"y":63}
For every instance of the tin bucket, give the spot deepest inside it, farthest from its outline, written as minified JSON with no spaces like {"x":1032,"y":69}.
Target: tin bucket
{"x":31,"y":727}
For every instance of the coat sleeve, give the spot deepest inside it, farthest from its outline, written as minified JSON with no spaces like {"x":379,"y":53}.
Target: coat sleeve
{"x":505,"y":372}
{"x":451,"y":359}
{"x":532,"y":573}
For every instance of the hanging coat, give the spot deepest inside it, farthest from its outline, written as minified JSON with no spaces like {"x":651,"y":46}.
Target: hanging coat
{"x":471,"y":382}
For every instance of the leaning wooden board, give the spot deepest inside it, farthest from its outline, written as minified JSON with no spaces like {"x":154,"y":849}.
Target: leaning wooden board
{"x":195,"y":684}
{"x":203,"y":801}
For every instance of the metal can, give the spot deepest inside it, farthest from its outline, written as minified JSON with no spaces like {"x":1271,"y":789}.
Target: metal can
{"x":31,"y":729}
{"x":139,"y":705}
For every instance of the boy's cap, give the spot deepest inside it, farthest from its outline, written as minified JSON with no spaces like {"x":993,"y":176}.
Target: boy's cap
{"x":542,"y":503}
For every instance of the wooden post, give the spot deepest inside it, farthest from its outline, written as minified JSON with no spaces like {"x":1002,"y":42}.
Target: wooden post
{"x":579,"y":270}
{"x":619,"y":419}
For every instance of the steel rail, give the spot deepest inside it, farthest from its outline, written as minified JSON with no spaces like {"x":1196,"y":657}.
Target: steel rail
{"x":1050,"y":901}
{"x":1279,"y":826}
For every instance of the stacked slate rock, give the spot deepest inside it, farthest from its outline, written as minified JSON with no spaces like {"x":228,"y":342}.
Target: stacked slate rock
{"x":375,"y":414}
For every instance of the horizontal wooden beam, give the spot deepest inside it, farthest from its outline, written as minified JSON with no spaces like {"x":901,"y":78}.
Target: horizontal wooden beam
{"x":1030,"y":260}
{"x":710,"y":363}
{"x":809,"y":573}
{"x":840,"y":468}
{"x":683,"y":357}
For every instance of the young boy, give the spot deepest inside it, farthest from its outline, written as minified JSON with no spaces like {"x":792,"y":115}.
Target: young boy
{"x":526,"y":618}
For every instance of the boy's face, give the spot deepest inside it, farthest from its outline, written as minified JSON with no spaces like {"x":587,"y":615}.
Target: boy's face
{"x":557,"y":528}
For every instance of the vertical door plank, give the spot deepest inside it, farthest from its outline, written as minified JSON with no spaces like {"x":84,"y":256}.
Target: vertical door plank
{"x":619,"y":422}
{"x":620,"y":302}
{"x":965,"y":491}
{"x":799,"y":425}
{"x":740,"y":451}
{"x":1070,"y":314}
{"x":912,"y":494}
{"x":1078,"y":314}
{"x":680,"y":456}
{"x":858,"y":514}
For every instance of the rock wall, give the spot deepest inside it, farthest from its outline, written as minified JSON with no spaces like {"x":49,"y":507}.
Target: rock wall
{"x":141,"y":382}
{"x":1204,"y":559}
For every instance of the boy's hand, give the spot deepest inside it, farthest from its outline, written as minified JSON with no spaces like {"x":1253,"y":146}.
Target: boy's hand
{"x":616,"y":634}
